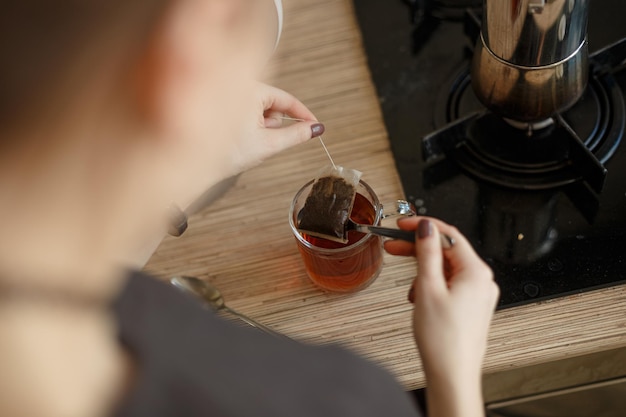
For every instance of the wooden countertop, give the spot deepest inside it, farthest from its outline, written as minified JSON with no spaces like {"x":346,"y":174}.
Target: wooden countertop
{"x":243,"y":243}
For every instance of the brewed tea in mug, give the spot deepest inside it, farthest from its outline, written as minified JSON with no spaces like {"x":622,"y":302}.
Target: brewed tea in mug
{"x":337,"y":266}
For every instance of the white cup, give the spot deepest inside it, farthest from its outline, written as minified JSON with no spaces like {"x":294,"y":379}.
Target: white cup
{"x":279,"y":13}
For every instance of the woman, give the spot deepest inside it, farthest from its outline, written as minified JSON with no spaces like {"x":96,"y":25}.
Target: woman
{"x":109,"y":112}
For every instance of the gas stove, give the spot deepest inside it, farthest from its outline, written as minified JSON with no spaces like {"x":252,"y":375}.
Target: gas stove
{"x":544,"y":205}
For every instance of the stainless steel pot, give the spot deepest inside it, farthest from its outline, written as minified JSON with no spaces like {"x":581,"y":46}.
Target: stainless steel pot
{"x":531,"y":60}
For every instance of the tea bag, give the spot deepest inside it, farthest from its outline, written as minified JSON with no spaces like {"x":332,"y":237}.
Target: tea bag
{"x":328,"y":206}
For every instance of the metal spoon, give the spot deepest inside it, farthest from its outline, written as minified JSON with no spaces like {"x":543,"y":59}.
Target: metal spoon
{"x":212,"y":297}
{"x":403,"y":208}
{"x":407,"y":235}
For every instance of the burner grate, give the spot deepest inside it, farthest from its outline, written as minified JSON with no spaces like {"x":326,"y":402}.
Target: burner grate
{"x":427,"y":15}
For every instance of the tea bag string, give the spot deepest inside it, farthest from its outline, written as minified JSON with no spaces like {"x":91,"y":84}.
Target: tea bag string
{"x":319,"y":137}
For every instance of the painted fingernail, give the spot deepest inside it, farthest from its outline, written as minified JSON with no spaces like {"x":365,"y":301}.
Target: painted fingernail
{"x":412,"y":295}
{"x":424,"y":229}
{"x":317,"y":130}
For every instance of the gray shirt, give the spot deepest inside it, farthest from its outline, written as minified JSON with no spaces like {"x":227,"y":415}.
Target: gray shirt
{"x":192,"y":363}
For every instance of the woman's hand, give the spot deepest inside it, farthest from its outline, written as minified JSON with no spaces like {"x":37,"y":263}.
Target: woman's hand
{"x":249,"y":129}
{"x":265,"y":135}
{"x":454,"y":296}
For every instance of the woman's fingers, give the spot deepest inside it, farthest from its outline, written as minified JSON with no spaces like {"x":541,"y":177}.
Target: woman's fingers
{"x":273,"y":119}
{"x":276,"y":105}
{"x":271,"y":135}
{"x":400,"y":248}
{"x":403,"y":248}
{"x":460,"y":241}
{"x":277,"y":100}
{"x":461,"y":257}
{"x":429,"y":255}
{"x":286,"y":137}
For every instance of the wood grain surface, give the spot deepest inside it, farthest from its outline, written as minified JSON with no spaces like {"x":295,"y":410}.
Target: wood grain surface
{"x":243,"y":243}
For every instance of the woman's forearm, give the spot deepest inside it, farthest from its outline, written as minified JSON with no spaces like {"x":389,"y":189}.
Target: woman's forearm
{"x":455,"y":397}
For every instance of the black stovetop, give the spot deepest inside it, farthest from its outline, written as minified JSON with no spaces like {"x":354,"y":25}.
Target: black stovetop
{"x":542,"y":241}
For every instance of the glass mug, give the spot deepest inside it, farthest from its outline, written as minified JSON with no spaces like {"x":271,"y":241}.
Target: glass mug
{"x":342,"y":267}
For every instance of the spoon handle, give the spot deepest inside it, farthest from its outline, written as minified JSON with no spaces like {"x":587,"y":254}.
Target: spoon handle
{"x":407,"y":235}
{"x":253,"y":323}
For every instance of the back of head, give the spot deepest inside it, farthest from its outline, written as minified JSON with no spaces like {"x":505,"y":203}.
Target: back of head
{"x":47,"y":47}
